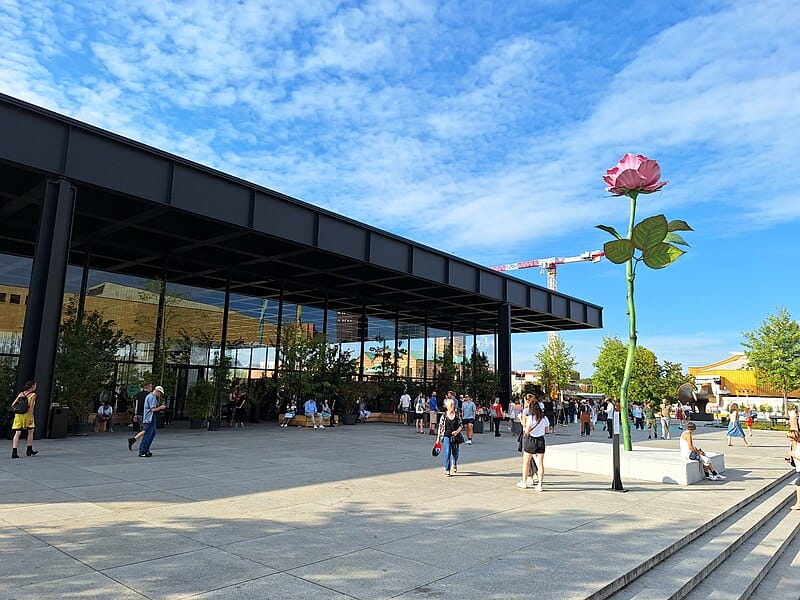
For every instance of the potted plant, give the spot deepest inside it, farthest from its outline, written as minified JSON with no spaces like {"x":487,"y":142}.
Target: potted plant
{"x":199,"y":402}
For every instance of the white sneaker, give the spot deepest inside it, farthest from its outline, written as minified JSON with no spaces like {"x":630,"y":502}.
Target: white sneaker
{"x":539,"y":488}
{"x":469,"y":442}
{"x":322,"y":426}
{"x":721,"y":476}
{"x":315,"y":427}
{"x":713,"y":478}
{"x":521,"y":484}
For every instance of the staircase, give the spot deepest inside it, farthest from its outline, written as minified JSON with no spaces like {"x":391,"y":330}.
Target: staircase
{"x":727,"y":558}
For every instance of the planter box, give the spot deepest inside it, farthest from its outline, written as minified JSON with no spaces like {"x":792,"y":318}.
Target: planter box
{"x":197,"y":423}
{"x":478,"y":427}
{"x":348,"y":419}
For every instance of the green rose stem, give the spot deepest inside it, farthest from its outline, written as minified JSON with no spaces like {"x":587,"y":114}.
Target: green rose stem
{"x":630,"y":272}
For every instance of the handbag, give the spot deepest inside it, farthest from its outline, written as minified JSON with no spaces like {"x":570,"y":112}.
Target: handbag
{"x":20,"y":405}
{"x":458,"y":439}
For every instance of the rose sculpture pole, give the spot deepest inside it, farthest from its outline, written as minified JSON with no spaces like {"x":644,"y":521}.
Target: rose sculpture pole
{"x":651,"y":241}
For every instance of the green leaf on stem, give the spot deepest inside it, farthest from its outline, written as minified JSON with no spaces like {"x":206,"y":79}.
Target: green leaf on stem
{"x":618,"y":251}
{"x":661,"y":255}
{"x":609,"y":229}
{"x":678,"y":225}
{"x":650,"y":232}
{"x":674,"y":238}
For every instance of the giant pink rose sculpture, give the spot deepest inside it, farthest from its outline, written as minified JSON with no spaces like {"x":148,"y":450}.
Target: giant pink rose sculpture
{"x":634,"y":173}
{"x":654,"y":238}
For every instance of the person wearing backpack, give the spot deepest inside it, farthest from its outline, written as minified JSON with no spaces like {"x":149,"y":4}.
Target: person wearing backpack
{"x":419,"y":412}
{"x":23,"y":406}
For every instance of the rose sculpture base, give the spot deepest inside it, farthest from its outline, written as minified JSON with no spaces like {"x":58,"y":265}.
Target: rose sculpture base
{"x":643,"y":463}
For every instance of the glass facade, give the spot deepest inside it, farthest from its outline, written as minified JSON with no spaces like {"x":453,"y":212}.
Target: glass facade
{"x":187,"y":344}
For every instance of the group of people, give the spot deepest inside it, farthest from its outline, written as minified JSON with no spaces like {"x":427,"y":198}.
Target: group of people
{"x":464,"y":405}
{"x":317,"y":414}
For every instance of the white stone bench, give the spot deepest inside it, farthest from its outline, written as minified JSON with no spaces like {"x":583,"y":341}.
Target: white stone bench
{"x":643,"y":463}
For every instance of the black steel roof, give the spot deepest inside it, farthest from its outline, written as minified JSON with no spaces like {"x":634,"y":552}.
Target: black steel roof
{"x":141,"y":210}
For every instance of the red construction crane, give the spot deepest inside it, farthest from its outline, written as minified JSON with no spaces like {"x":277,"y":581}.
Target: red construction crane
{"x":550,"y":265}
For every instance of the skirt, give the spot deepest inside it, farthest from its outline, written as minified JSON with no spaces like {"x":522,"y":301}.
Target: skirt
{"x":735,"y":430}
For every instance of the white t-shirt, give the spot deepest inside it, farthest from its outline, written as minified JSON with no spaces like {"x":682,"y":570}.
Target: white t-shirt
{"x":405,"y":401}
{"x":609,"y":410}
{"x":105,"y":412}
{"x":537,"y":429}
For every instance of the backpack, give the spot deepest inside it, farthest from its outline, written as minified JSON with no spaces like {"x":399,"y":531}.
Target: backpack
{"x":20,"y":405}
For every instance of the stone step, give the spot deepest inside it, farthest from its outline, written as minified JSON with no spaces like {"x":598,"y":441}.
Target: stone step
{"x":679,"y":573}
{"x":749,"y":564}
{"x":783,"y":576}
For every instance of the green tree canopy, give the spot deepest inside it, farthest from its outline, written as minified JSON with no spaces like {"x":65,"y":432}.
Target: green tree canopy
{"x":480,"y":380}
{"x":773,"y":350}
{"x":556,"y":365}
{"x":647,"y":382}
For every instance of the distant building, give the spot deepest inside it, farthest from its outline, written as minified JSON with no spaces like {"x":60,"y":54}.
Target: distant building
{"x":734,"y":380}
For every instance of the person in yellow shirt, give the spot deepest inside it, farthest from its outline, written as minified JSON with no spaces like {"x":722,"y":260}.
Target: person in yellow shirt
{"x":24,"y":421}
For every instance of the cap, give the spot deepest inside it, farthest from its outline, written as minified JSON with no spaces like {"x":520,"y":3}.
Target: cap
{"x":437,"y":448}
{"x":158,"y":388}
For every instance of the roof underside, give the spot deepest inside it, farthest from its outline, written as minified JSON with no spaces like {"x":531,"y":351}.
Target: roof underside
{"x":145,"y":213}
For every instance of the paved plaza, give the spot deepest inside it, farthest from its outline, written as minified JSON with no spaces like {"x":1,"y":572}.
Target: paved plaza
{"x":359,"y":511}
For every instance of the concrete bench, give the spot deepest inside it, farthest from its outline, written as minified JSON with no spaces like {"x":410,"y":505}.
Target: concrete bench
{"x":643,"y":463}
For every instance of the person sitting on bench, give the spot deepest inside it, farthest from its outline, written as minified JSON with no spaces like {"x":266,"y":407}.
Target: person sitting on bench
{"x":691,"y":452}
{"x":105,"y":417}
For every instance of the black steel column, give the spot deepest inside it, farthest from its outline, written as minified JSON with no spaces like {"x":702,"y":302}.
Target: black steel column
{"x":159,"y":353}
{"x":362,"y":334}
{"x":278,"y":335}
{"x":46,"y":295}
{"x":325,"y":318}
{"x":396,"y":342}
{"x":84,"y":285}
{"x":504,"y":352}
{"x":425,"y":358}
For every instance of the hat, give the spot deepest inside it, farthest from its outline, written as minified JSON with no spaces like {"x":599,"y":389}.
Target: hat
{"x":437,"y":448}
{"x":158,"y":388}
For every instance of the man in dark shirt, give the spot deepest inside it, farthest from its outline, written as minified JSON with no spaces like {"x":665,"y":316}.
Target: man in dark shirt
{"x":138,"y":407}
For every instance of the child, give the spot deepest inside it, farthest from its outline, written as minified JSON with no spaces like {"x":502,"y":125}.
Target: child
{"x":291,"y":410}
{"x":586,"y":422}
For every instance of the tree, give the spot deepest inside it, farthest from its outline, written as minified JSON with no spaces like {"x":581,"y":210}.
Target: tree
{"x":672,"y":377}
{"x":445,"y":378}
{"x":646,"y":382}
{"x":556,"y":365}
{"x":481,"y":381}
{"x":773,"y":350}
{"x":86,"y":357}
{"x":302,"y":360}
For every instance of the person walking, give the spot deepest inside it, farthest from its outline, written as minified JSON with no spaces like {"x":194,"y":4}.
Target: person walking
{"x":468,"y":415}
{"x":638,"y":416}
{"x":734,"y":427}
{"x":534,"y":427}
{"x":152,"y":405}
{"x":23,"y":421}
{"x":748,"y":421}
{"x":665,"y":407}
{"x":680,"y":415}
{"x":450,"y":436}
{"x":610,"y":410}
{"x":138,"y":409}
{"x":497,"y":416}
{"x":240,"y":399}
{"x":419,"y":413}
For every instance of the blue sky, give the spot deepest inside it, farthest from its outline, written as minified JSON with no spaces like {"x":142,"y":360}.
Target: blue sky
{"x":481,"y":128}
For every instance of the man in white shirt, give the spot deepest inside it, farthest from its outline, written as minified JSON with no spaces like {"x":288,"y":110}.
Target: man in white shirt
{"x":405,"y":405}
{"x":610,"y":410}
{"x":310,"y":409}
{"x":105,"y":414}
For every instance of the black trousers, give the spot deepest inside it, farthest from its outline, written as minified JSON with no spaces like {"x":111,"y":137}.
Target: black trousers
{"x":610,"y":424}
{"x":496,"y":426}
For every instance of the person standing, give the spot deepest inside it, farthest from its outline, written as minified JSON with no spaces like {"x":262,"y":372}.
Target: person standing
{"x":665,"y":407}
{"x":24,"y":421}
{"x":638,"y":416}
{"x":433,"y":411}
{"x":468,"y":414}
{"x":586,"y":421}
{"x":534,"y":427}
{"x":650,"y":419}
{"x":497,"y":416}
{"x":794,"y":418}
{"x":240,"y":399}
{"x":734,"y":427}
{"x":419,"y":413}
{"x":449,"y":434}
{"x":794,"y":454}
{"x":152,"y":405}
{"x":610,"y":410}
{"x":310,"y":410}
{"x":405,"y":406}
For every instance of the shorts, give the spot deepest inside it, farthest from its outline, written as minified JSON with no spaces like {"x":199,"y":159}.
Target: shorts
{"x":23,"y":421}
{"x":533,"y":445}
{"x":700,"y":458}
{"x":749,"y":421}
{"x":434,"y":416}
{"x":469,"y":421}
{"x":419,"y":415}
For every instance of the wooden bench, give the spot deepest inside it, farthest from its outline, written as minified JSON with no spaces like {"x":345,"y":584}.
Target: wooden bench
{"x":303,"y":421}
{"x":386,"y":417}
{"x":781,"y":420}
